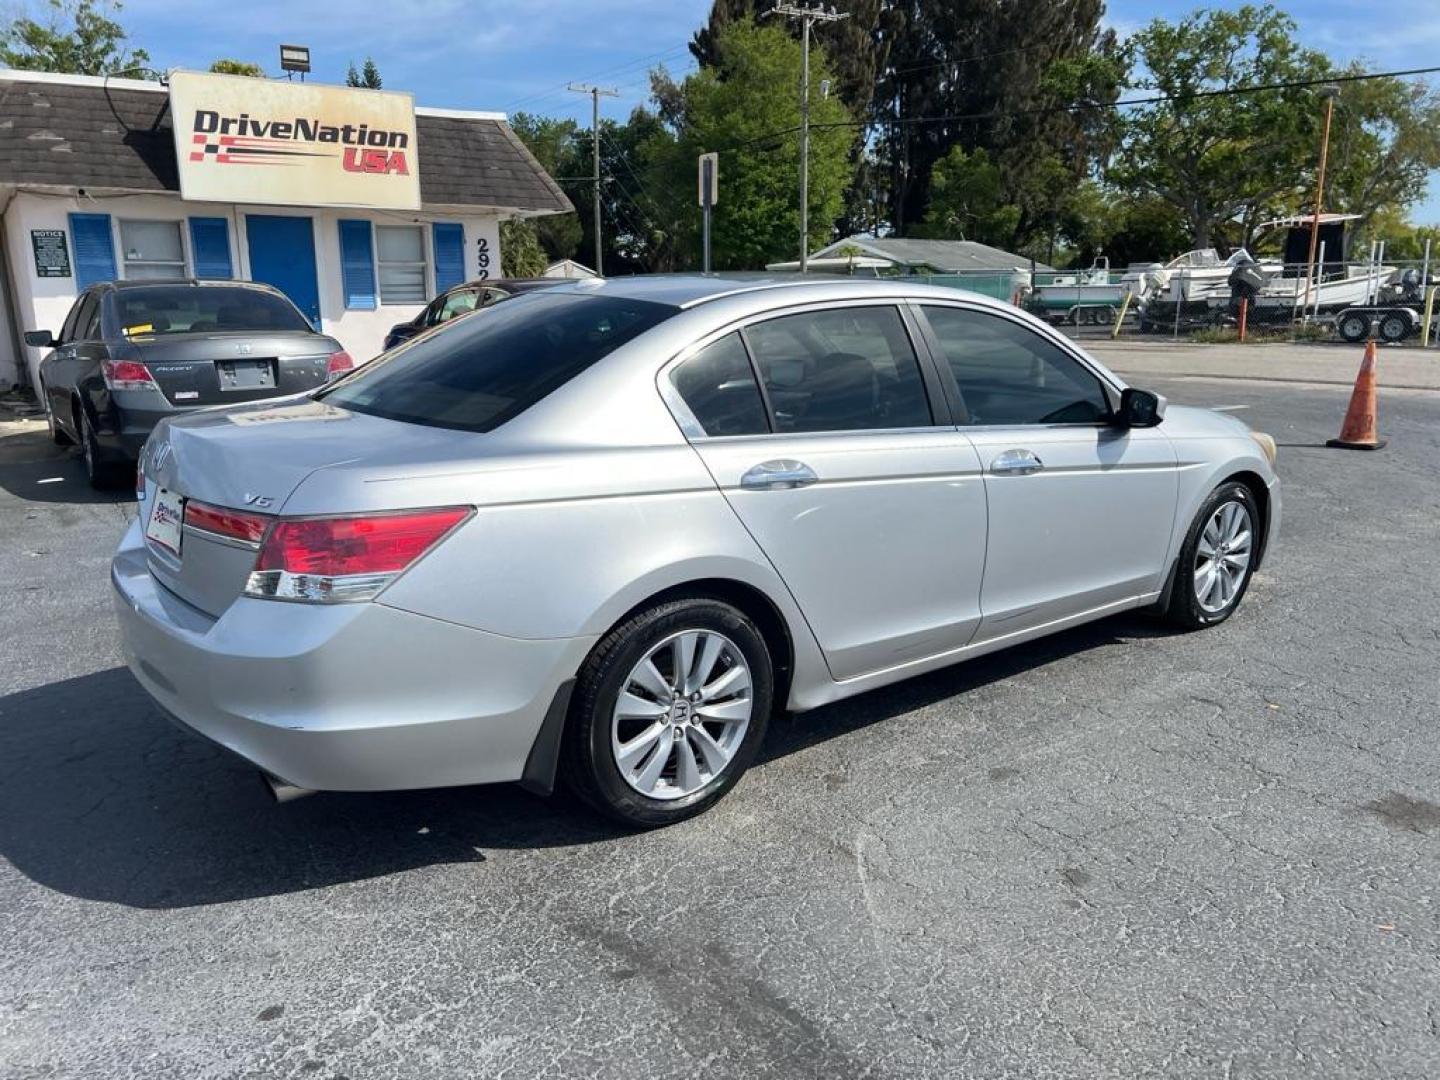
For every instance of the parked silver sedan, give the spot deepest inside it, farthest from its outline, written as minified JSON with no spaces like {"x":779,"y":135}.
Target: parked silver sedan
{"x":606,"y":530}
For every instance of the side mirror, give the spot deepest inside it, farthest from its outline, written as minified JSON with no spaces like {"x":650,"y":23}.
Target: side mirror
{"x":1140,"y":408}
{"x":40,"y":339}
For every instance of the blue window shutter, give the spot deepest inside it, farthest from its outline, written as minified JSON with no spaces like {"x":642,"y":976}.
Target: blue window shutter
{"x":94,"y":249}
{"x":357,"y":265}
{"x":210,"y":247}
{"x":449,"y":256}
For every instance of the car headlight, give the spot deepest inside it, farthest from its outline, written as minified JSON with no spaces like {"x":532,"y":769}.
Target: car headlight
{"x":1266,"y":444}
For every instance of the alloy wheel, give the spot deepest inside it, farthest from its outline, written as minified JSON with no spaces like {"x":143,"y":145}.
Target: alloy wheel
{"x":681,"y":714}
{"x":1222,"y":557}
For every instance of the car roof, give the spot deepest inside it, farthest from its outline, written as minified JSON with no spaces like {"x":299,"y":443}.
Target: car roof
{"x":206,"y":283}
{"x":692,"y":290}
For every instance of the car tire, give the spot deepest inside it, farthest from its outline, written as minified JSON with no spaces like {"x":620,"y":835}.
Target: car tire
{"x":1217,"y":559}
{"x":662,"y":757}
{"x":102,"y":474}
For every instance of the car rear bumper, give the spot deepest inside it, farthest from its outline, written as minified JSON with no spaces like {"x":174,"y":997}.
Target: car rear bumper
{"x":344,"y":697}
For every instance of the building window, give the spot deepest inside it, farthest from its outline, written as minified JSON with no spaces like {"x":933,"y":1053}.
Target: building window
{"x":152,"y":249}
{"x":401,"y":261}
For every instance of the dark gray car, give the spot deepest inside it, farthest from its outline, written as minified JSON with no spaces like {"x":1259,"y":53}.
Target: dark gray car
{"x":131,"y":353}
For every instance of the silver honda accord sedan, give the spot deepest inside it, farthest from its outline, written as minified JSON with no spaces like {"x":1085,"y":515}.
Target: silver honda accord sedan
{"x":602,"y":532}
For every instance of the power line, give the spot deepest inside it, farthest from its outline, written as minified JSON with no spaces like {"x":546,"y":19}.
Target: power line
{"x":996,"y":114}
{"x":1082,"y":106}
{"x":560,"y":87}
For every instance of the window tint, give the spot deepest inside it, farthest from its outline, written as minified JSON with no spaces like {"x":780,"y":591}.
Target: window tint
{"x":846,"y":369}
{"x":153,"y":310}
{"x":459,"y":302}
{"x":1009,"y":374}
{"x":84,"y":327}
{"x":87,"y":326}
{"x":720,"y":389}
{"x":67,"y":331}
{"x":475,"y":374}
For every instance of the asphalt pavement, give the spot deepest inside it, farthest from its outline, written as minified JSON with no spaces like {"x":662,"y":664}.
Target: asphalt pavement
{"x":1119,"y":852}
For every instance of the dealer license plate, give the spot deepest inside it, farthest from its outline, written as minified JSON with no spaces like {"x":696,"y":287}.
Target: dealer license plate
{"x":166,"y":517}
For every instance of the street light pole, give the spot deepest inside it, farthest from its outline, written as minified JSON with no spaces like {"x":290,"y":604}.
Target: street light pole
{"x":595,"y":93}
{"x":1328,"y":92}
{"x":808,"y":16}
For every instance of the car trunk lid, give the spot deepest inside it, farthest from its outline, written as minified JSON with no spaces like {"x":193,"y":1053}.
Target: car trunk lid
{"x":229,"y":368}
{"x":248,"y":459}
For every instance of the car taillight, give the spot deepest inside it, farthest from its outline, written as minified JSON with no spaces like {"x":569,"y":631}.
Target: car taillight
{"x":338,"y":364}
{"x":330,"y":560}
{"x":126,"y":375}
{"x":231,"y":524}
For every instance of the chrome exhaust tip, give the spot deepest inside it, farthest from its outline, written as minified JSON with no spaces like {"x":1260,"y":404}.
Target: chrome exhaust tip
{"x":281,"y":791}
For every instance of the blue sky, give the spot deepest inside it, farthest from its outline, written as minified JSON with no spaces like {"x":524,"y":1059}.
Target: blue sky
{"x":518,"y":55}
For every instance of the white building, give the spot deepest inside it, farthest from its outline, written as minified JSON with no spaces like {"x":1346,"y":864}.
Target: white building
{"x":90,"y":190}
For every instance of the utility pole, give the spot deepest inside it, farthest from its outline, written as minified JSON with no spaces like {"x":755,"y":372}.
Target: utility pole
{"x":808,"y":15}
{"x":595,"y":93}
{"x":1327,"y":92}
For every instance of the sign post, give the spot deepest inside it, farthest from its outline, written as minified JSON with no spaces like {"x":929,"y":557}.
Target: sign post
{"x":709,"y":196}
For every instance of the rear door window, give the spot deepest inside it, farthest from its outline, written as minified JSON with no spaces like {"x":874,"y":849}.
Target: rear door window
{"x":67,"y":331}
{"x":86,"y":325}
{"x":718,"y":386}
{"x":475,"y":374}
{"x":1009,"y":374}
{"x":841,"y":369}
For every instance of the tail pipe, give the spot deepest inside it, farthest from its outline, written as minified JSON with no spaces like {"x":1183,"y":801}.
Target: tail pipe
{"x":281,"y":791}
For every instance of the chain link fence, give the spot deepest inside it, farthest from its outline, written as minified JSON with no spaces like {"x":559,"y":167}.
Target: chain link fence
{"x":1397,"y":301}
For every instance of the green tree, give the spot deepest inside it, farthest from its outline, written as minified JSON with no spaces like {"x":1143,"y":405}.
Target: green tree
{"x":520,"y":252}
{"x":746,"y":106}
{"x":967,"y":200}
{"x":1384,"y":143}
{"x":367,"y":77}
{"x":80,"y":38}
{"x":1223,"y":161}
{"x":237,"y":67}
{"x":1003,"y":76}
{"x":554,"y":143}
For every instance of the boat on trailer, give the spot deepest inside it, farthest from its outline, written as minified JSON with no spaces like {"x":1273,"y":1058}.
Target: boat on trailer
{"x":1086,"y":296}
{"x":1337,"y":282}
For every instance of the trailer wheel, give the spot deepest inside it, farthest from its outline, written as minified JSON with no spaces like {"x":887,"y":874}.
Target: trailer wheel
{"x":1352,"y":326}
{"x":1394,"y":327}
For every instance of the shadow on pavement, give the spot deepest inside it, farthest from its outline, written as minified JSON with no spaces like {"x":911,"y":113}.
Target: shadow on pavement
{"x":34,"y":469}
{"x":102,"y":798}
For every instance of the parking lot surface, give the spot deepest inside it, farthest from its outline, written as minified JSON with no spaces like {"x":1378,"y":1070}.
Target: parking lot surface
{"x":1118,"y":852}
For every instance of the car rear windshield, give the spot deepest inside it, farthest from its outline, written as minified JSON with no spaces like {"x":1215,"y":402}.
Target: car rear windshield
{"x":476,"y":373}
{"x":195,"y":309}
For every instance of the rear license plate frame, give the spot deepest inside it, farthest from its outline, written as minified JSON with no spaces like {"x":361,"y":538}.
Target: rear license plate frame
{"x":247,"y":374}
{"x":165,"y":525}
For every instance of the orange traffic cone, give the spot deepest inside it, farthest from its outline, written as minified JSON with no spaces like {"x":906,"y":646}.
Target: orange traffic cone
{"x":1358,"y":430}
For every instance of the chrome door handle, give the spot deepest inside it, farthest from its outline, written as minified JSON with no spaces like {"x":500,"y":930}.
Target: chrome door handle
{"x":1016,"y":463}
{"x":778,"y":475}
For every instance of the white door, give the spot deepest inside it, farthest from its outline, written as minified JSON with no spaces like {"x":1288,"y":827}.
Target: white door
{"x":871,"y":512}
{"x":1080,"y":510}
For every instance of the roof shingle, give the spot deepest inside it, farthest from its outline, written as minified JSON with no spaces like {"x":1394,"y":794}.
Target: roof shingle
{"x":87,"y":135}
